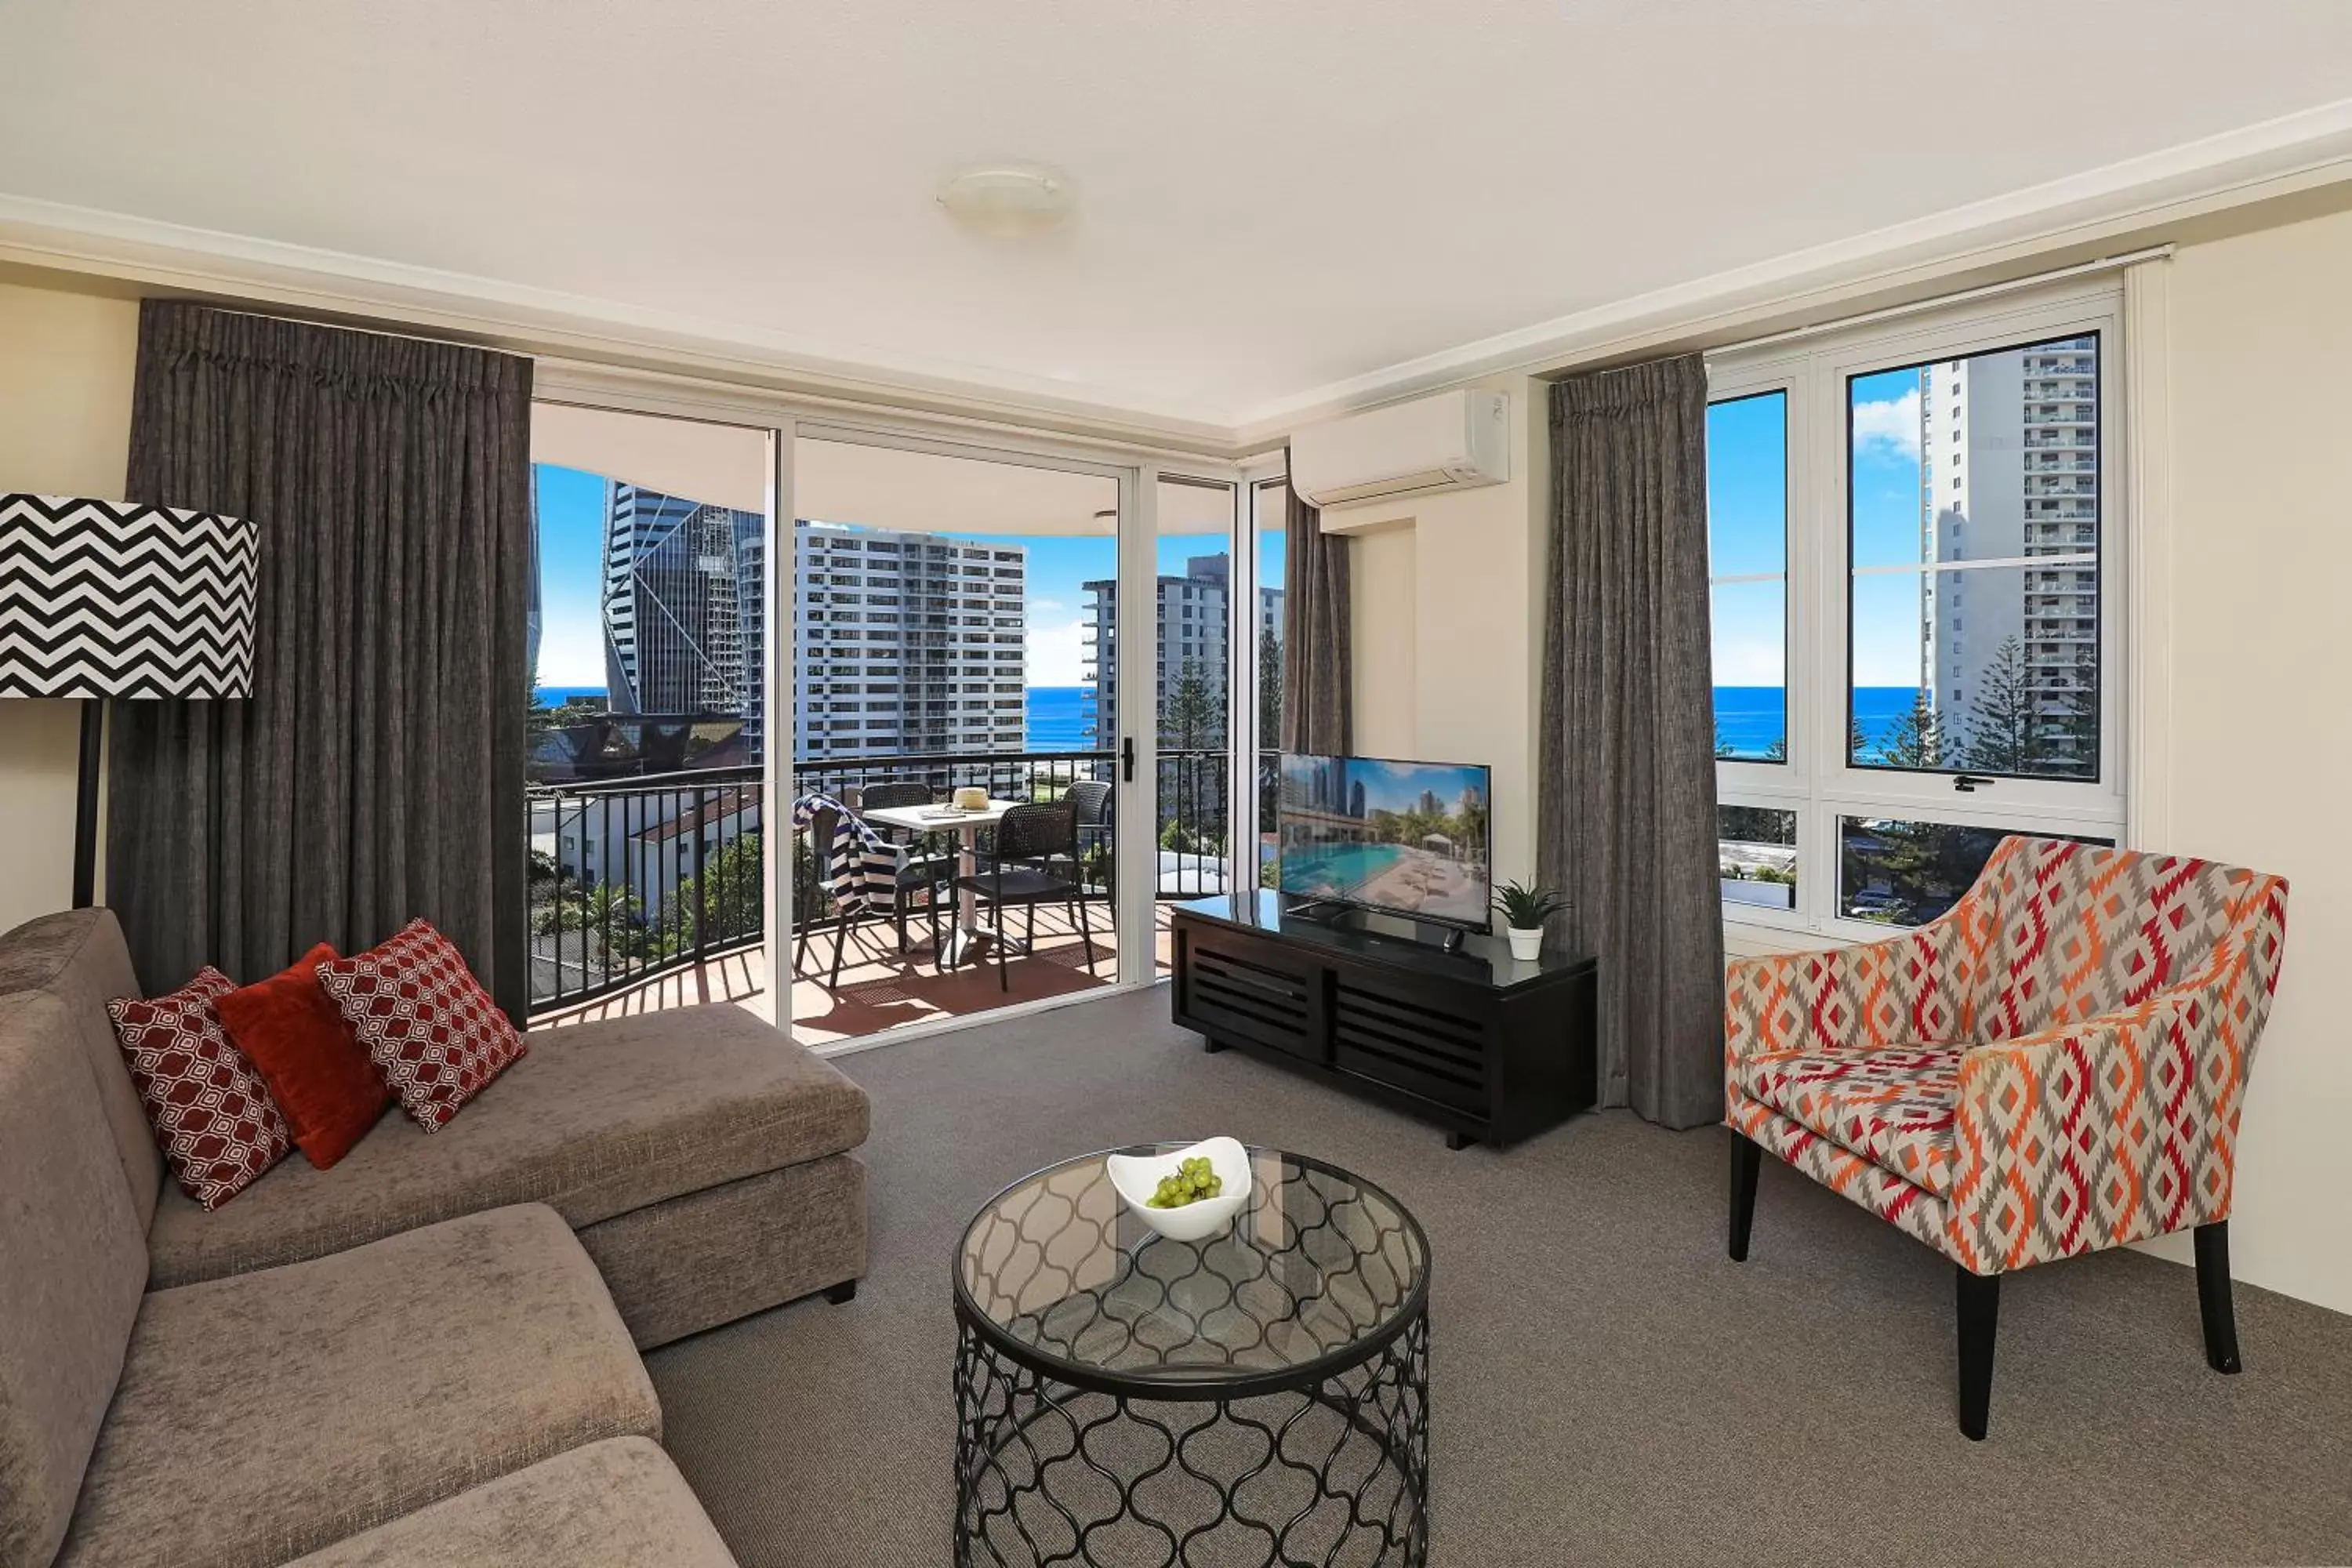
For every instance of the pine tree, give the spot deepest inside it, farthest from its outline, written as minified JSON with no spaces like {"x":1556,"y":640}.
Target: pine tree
{"x":1194,"y":718}
{"x":2005,"y":727}
{"x":2075,"y":729}
{"x":1269,"y":693}
{"x":1916,"y":739}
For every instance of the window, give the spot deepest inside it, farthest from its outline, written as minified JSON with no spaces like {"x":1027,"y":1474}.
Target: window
{"x":1748,"y":573}
{"x":1873,"y":742}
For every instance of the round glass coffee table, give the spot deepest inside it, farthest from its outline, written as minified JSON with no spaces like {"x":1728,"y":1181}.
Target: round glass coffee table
{"x":1256,"y":1399}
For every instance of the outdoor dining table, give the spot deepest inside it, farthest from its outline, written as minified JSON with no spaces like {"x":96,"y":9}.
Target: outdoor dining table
{"x":967,"y":825}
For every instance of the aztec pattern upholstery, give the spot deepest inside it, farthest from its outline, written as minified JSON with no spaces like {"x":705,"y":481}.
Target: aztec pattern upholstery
{"x":2055,"y":1065}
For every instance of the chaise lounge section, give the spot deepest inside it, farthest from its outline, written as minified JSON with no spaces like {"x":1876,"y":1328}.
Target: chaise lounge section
{"x":411,"y":1359}
{"x":706,"y":1161}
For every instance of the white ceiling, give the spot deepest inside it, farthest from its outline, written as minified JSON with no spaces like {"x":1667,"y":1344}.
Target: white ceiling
{"x":1275,"y":198}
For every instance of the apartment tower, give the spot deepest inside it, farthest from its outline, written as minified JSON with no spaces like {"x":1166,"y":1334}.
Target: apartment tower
{"x":907,"y":644}
{"x":1190,"y":627}
{"x":684,"y":609}
{"x":2010,"y":471}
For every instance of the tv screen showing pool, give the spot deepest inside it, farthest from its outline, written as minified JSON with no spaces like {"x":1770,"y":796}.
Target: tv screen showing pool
{"x":1405,"y":837}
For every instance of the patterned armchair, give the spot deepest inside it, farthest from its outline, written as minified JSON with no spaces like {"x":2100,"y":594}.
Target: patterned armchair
{"x":2053,"y":1067}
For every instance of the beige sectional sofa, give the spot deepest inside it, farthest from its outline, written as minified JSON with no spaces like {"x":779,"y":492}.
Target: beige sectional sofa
{"x":426,"y":1356}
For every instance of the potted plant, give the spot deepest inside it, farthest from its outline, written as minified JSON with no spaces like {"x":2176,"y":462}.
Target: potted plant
{"x":1524,"y":909}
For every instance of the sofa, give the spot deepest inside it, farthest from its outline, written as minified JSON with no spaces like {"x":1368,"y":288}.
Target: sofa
{"x":427,"y":1354}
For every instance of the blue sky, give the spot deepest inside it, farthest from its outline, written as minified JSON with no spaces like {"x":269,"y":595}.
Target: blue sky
{"x":1747,"y":487}
{"x":1398,"y":786}
{"x":571,"y":537}
{"x":570,"y":542}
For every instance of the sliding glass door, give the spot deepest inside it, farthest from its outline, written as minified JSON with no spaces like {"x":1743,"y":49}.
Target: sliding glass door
{"x":647,"y":721}
{"x":955,"y":631}
{"x":1202,"y":607}
{"x":740,"y":627}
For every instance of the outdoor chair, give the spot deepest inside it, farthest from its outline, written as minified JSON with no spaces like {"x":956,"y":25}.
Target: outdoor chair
{"x":1032,"y":859}
{"x":2053,"y":1067}
{"x":926,"y":869}
{"x":823,"y":824}
{"x":1092,"y":799}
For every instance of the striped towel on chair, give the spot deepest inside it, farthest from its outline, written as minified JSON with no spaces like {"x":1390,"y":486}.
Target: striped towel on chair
{"x":860,"y":867}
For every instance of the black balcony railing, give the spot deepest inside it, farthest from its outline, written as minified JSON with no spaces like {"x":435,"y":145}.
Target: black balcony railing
{"x":630,"y":878}
{"x":634,"y":878}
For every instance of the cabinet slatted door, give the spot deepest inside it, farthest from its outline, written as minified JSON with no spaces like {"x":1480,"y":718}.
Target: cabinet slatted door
{"x":1406,"y":1044}
{"x":1252,"y":990}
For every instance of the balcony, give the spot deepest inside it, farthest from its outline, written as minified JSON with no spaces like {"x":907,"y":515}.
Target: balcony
{"x":646,"y":893}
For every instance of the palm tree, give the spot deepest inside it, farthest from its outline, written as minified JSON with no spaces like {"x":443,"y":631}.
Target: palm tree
{"x":614,"y":913}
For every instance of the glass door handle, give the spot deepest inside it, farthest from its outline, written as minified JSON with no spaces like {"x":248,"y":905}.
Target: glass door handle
{"x":1127,"y":756}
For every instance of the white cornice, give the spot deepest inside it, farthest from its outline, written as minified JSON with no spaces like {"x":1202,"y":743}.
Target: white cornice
{"x":2278,"y":156}
{"x":2127,"y":200}
{"x":193,"y":262}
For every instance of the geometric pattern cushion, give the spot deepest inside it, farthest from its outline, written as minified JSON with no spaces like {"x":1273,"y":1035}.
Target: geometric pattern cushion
{"x":2090,"y":1015}
{"x":213,"y":1115}
{"x":1892,"y":1108}
{"x":426,"y":1021}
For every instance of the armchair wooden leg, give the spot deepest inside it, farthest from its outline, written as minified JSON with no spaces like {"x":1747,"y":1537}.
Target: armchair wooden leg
{"x":1979,"y":1299}
{"x":2213,"y":1302}
{"x":1746,"y":1155}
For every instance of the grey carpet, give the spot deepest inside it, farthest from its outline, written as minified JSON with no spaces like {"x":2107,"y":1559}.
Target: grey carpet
{"x":1606,"y":1386}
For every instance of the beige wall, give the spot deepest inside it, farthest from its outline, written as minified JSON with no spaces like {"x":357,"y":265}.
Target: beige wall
{"x":2258,"y":751}
{"x":1449,"y":629}
{"x":2255,"y":756}
{"x":1446,"y":598}
{"x":65,"y":428}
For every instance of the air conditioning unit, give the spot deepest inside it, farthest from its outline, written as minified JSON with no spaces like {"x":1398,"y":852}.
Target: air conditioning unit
{"x":1448,"y":442}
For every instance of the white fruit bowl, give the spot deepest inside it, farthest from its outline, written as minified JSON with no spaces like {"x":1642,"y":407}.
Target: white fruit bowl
{"x":1137,"y":1177}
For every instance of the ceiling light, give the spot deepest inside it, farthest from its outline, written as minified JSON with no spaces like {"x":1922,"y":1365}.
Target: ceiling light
{"x":1008,"y":201}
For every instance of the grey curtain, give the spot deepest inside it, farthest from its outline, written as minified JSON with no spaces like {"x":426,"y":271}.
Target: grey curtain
{"x":1627,"y":828}
{"x":1315,"y":651}
{"x":376,"y":773}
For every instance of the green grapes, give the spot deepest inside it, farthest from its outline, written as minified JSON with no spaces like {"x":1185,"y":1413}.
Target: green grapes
{"x":1193,"y":1180}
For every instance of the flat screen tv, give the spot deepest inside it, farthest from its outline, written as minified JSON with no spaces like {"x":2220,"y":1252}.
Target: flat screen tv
{"x":1405,"y":838}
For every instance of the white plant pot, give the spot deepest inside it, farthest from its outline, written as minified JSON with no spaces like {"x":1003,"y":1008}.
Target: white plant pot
{"x":1527,"y":942}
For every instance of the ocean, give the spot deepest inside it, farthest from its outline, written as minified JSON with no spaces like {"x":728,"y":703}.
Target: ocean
{"x":1057,"y":720}
{"x":1749,"y":718}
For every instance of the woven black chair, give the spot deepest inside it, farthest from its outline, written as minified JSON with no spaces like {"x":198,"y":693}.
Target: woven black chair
{"x":1033,"y":859}
{"x":824,"y":823}
{"x":926,"y":869}
{"x":1092,"y":799}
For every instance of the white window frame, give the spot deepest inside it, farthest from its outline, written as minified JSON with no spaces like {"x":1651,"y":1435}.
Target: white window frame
{"x":1818,"y":782}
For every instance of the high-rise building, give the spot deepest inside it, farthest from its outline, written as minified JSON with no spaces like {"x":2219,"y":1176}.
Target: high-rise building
{"x":1190,"y":627}
{"x":684,"y":609}
{"x":907,"y":644}
{"x":2010,"y":471}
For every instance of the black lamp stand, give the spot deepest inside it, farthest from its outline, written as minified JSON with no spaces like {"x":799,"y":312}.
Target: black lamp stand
{"x":93,"y":754}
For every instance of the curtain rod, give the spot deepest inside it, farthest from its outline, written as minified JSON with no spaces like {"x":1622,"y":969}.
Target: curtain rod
{"x":1989,"y":290}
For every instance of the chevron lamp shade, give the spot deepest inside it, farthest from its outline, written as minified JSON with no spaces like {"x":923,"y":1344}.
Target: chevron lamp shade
{"x":102,"y":598}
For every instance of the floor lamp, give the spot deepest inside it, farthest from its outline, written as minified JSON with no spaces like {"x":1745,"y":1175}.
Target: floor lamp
{"x":102,"y":598}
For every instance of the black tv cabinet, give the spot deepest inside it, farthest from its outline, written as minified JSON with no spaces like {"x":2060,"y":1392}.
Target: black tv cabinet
{"x":1491,"y":1049}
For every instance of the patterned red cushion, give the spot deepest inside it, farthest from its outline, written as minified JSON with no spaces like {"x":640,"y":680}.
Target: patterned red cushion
{"x":430,"y":1027}
{"x":213,"y":1115}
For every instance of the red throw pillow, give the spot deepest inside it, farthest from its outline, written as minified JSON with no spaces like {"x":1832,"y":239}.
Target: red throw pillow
{"x":213,"y":1115}
{"x":318,"y":1072}
{"x":430,"y":1027}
